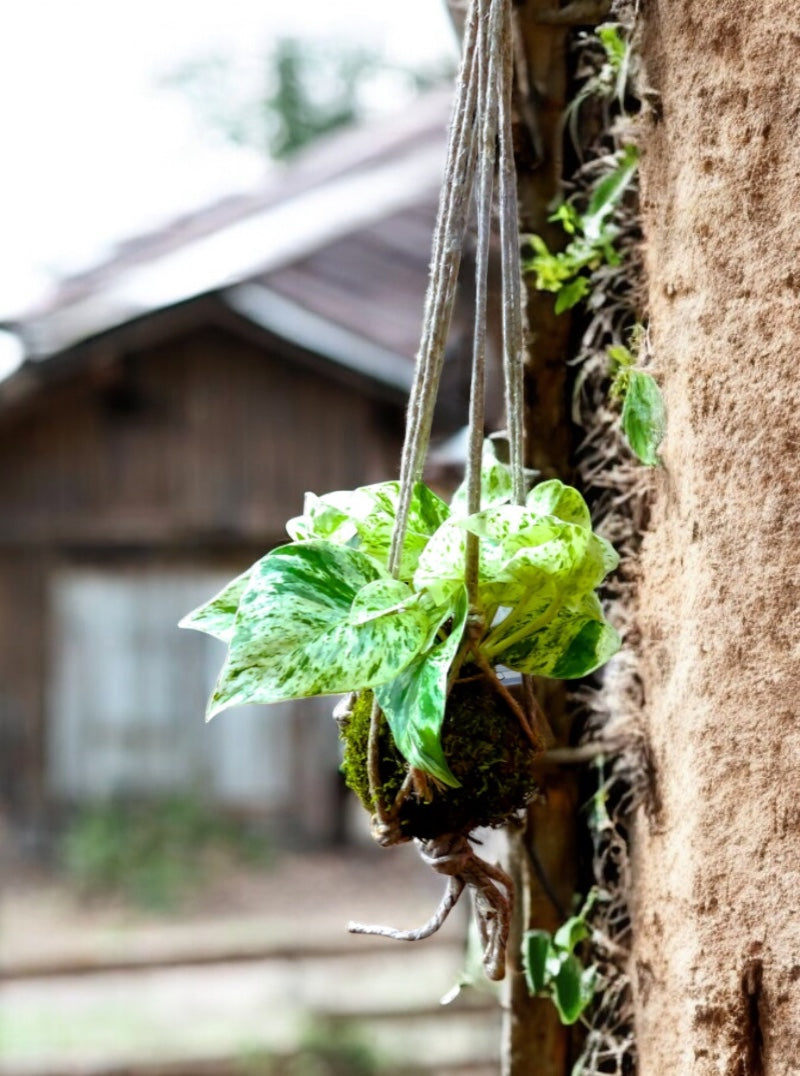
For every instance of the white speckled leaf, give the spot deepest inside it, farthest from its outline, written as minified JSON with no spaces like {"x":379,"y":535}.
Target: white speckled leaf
{"x":495,"y":483}
{"x":295,"y":635}
{"x":364,"y":518}
{"x":519,"y":551}
{"x":442,"y":559}
{"x":553,"y":498}
{"x":325,"y":517}
{"x":375,"y":513}
{"x":217,"y":616}
{"x":377,"y":598}
{"x":414,"y":702}
{"x":575,"y":642}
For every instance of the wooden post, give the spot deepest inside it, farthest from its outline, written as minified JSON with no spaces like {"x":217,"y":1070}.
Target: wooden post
{"x":542,"y":857}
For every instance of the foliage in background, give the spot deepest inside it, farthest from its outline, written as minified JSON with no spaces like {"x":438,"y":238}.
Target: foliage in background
{"x":327,"y":1048}
{"x":552,"y":968}
{"x":152,"y":854}
{"x":579,"y":272}
{"x":568,"y":273}
{"x":307,"y":89}
{"x":602,"y":123}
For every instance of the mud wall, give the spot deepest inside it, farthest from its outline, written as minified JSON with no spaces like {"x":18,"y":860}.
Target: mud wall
{"x":717,"y":852}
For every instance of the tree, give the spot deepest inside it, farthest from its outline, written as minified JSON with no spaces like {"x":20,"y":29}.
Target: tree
{"x":310,"y":88}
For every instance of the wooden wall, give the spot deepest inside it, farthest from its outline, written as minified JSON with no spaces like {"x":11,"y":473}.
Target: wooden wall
{"x":203,"y":437}
{"x":187,"y":456}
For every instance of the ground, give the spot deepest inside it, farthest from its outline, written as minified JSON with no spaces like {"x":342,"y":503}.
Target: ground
{"x":255,"y":962}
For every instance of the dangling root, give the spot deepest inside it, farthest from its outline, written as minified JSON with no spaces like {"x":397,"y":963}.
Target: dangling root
{"x":453,"y":855}
{"x":455,"y":888}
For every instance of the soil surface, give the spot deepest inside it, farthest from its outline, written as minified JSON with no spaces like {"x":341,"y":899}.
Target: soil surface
{"x":717,"y":852}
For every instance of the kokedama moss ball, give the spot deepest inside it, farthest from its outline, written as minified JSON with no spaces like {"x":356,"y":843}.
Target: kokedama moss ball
{"x":484,"y":746}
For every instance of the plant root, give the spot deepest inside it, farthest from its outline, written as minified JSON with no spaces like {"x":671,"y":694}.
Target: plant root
{"x":492,"y":893}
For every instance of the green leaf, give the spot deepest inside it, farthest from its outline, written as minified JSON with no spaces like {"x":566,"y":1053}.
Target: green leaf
{"x":217,"y":616}
{"x":554,"y":498}
{"x":324,"y":517}
{"x":364,"y":518}
{"x":414,"y":702}
{"x":614,"y":44}
{"x":519,"y":546}
{"x":535,"y":951}
{"x":571,"y":932}
{"x":570,"y":294}
{"x":375,"y":512}
{"x":495,"y":483}
{"x":573,"y":989}
{"x":574,"y":642}
{"x":442,"y":560}
{"x":377,"y":598}
{"x":608,"y":192}
{"x":621,"y":358}
{"x":644,"y":417}
{"x":303,"y":627}
{"x":567,"y":216}
{"x":505,"y":531}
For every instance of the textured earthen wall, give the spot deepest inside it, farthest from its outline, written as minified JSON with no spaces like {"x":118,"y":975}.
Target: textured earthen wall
{"x":717,"y":862}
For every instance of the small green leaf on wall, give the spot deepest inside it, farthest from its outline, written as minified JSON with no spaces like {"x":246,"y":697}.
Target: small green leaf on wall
{"x":553,"y":970}
{"x":643,"y":412}
{"x":574,"y":989}
{"x":535,"y":951}
{"x":644,"y":417}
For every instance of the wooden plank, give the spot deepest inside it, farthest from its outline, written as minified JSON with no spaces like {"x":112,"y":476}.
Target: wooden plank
{"x":69,"y":966}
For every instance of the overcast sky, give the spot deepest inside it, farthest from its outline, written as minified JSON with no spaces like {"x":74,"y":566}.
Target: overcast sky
{"x":95,"y":148}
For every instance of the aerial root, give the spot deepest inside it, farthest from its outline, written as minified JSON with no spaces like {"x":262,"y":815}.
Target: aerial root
{"x":492,"y":898}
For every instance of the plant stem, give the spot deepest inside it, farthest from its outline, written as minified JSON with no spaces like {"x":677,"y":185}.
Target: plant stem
{"x":495,"y":643}
{"x":537,"y":743}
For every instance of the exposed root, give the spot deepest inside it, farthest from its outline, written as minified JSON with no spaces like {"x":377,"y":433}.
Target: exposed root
{"x":492,"y":894}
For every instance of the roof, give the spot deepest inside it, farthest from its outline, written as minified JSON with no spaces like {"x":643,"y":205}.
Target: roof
{"x":330,"y":253}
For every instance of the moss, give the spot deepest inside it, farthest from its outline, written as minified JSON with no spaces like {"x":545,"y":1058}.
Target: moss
{"x":485,"y":748}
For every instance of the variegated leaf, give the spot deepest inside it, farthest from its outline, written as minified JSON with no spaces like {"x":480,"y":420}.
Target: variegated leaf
{"x":365,"y":518}
{"x":377,"y":598}
{"x":295,"y":633}
{"x":414,"y":702}
{"x":217,"y":616}
{"x":553,"y":498}
{"x":495,"y":483}
{"x":325,"y":517}
{"x":375,"y":513}
{"x":576,"y":641}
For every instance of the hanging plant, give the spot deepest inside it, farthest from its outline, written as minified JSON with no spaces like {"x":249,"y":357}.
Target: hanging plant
{"x":323,"y":615}
{"x":415,"y":609}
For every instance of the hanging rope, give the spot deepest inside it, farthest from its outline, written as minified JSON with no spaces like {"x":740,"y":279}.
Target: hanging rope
{"x":480,"y":142}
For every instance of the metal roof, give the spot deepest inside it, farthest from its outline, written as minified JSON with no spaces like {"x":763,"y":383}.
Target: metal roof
{"x":331,"y":253}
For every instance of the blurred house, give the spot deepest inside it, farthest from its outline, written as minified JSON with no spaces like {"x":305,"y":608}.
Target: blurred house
{"x":174,"y":405}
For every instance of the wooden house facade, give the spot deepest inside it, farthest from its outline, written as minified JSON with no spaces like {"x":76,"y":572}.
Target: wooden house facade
{"x":174,"y":406}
